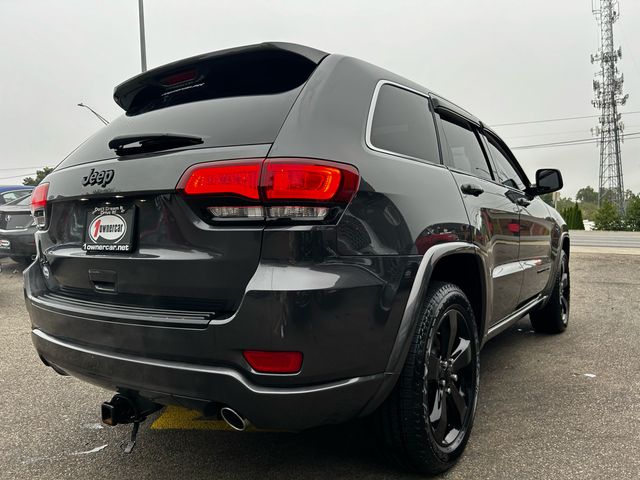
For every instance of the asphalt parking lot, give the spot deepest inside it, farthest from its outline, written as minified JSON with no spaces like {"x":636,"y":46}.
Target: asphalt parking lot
{"x":564,"y":406}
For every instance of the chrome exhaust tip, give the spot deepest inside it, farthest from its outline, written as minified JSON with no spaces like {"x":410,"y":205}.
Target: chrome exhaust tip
{"x":234,"y":419}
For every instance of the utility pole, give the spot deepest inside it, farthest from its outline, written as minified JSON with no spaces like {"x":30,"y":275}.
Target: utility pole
{"x":607,"y":88}
{"x":143,"y":44}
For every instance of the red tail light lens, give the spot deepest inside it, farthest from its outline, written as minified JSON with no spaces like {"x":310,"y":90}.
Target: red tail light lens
{"x":308,"y":180}
{"x":224,"y":178}
{"x":39,"y":197}
{"x":274,"y":362}
{"x":298,"y":189}
{"x":39,"y":204}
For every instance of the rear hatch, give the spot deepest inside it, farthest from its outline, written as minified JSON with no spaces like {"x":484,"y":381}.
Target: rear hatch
{"x":118,"y":230}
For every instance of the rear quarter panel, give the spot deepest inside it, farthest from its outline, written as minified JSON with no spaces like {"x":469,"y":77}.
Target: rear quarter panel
{"x":403,"y":207}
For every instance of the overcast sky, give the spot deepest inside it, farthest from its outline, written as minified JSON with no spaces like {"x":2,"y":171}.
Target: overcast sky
{"x":503,"y":60}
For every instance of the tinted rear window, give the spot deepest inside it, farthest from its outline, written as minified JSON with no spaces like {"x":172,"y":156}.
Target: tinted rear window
{"x":402,"y":123}
{"x":220,"y":122}
{"x":236,"y":100}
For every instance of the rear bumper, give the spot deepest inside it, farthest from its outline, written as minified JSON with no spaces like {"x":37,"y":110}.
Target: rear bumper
{"x":343,"y":318}
{"x":21,"y":243}
{"x":294,"y":408}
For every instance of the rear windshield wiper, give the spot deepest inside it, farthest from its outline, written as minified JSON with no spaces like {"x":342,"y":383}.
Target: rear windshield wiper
{"x":151,"y":142}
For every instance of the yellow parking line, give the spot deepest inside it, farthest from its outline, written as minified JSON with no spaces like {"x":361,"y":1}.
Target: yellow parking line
{"x":177,"y":418}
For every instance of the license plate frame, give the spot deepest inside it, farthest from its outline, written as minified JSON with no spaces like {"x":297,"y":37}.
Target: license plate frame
{"x":110,"y":229}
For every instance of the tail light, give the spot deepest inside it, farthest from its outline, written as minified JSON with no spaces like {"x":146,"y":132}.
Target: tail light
{"x":298,"y":189}
{"x":39,"y":204}
{"x":274,"y":362}
{"x":225,"y":178}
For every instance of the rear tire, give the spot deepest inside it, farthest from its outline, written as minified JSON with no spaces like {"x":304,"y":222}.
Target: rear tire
{"x":554,"y":316}
{"x":426,"y":421}
{"x":22,"y":261}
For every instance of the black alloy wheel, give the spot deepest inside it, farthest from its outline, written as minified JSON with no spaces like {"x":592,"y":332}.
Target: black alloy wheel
{"x":426,"y":421}
{"x":450,"y":380}
{"x":553,"y":317}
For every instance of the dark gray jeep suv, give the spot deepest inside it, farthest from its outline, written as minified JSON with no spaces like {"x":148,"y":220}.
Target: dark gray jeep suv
{"x":280,"y":236}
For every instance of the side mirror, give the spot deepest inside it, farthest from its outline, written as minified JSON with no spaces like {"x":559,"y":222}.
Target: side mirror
{"x":548,"y":180}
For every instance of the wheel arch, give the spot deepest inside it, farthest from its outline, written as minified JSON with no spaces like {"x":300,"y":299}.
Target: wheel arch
{"x":565,"y":243}
{"x":436,"y":265}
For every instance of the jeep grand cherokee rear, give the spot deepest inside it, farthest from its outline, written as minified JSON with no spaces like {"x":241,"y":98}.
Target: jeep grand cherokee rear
{"x":271,"y":234}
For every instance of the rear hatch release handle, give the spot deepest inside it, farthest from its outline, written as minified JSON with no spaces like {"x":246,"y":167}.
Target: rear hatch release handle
{"x":104,"y":280}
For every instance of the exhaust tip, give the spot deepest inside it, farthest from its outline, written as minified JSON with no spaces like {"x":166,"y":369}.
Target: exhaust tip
{"x":234,"y":419}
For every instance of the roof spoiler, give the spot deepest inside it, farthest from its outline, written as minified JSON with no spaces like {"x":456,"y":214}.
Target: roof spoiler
{"x":181,"y":73}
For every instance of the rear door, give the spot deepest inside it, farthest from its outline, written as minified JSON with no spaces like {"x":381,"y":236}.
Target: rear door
{"x":535,"y":224}
{"x":493,"y":215}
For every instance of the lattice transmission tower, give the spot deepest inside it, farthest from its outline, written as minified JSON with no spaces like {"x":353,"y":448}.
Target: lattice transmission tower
{"x":607,"y":87}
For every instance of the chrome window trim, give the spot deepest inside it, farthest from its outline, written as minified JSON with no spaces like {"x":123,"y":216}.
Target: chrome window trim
{"x":372,"y":108}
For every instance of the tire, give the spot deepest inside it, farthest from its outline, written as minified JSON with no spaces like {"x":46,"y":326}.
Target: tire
{"x":23,"y":261}
{"x":554,"y":316}
{"x":410,"y":423}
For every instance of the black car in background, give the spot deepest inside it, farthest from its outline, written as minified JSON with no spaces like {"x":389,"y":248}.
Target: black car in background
{"x":276,"y":235}
{"x":17,"y":229}
{"x":8,"y":195}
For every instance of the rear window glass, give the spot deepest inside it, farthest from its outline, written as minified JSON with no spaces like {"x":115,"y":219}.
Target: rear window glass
{"x":25,"y":201}
{"x":220,"y":122}
{"x":236,"y":100}
{"x":402,"y":123}
{"x":246,"y":74}
{"x":12,"y":195}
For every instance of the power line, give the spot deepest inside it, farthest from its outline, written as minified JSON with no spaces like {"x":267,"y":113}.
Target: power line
{"x":552,"y":134}
{"x":24,"y":175}
{"x":24,"y":168}
{"x":557,"y":119}
{"x":567,"y":143}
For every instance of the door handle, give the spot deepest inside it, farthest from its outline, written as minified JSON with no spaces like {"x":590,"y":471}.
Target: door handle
{"x":523,"y":202}
{"x":472,"y":189}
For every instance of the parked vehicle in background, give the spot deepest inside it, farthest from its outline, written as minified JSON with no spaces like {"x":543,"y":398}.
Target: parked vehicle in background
{"x":280,"y":236}
{"x":10,"y":193}
{"x":17,"y":229}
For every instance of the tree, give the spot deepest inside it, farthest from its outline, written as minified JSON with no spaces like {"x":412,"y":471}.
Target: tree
{"x":587,"y":195}
{"x":573,"y":216}
{"x":564,"y":203}
{"x":588,"y":210}
{"x":579,"y":222}
{"x":547,"y":198}
{"x":632,"y":214}
{"x":40,"y":174}
{"x":561,"y":204}
{"x":607,"y":217}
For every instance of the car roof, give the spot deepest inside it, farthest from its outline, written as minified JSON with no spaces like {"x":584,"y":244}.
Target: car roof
{"x":12,"y":188}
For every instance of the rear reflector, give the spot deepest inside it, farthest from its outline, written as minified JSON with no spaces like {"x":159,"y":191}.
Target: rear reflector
{"x":224,"y":178}
{"x":274,"y":362}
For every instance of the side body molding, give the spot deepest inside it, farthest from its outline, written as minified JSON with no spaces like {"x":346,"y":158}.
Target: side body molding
{"x":412,"y":311}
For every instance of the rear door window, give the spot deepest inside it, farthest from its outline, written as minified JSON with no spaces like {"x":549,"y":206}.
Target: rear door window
{"x":403,"y":124}
{"x":465,"y":151}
